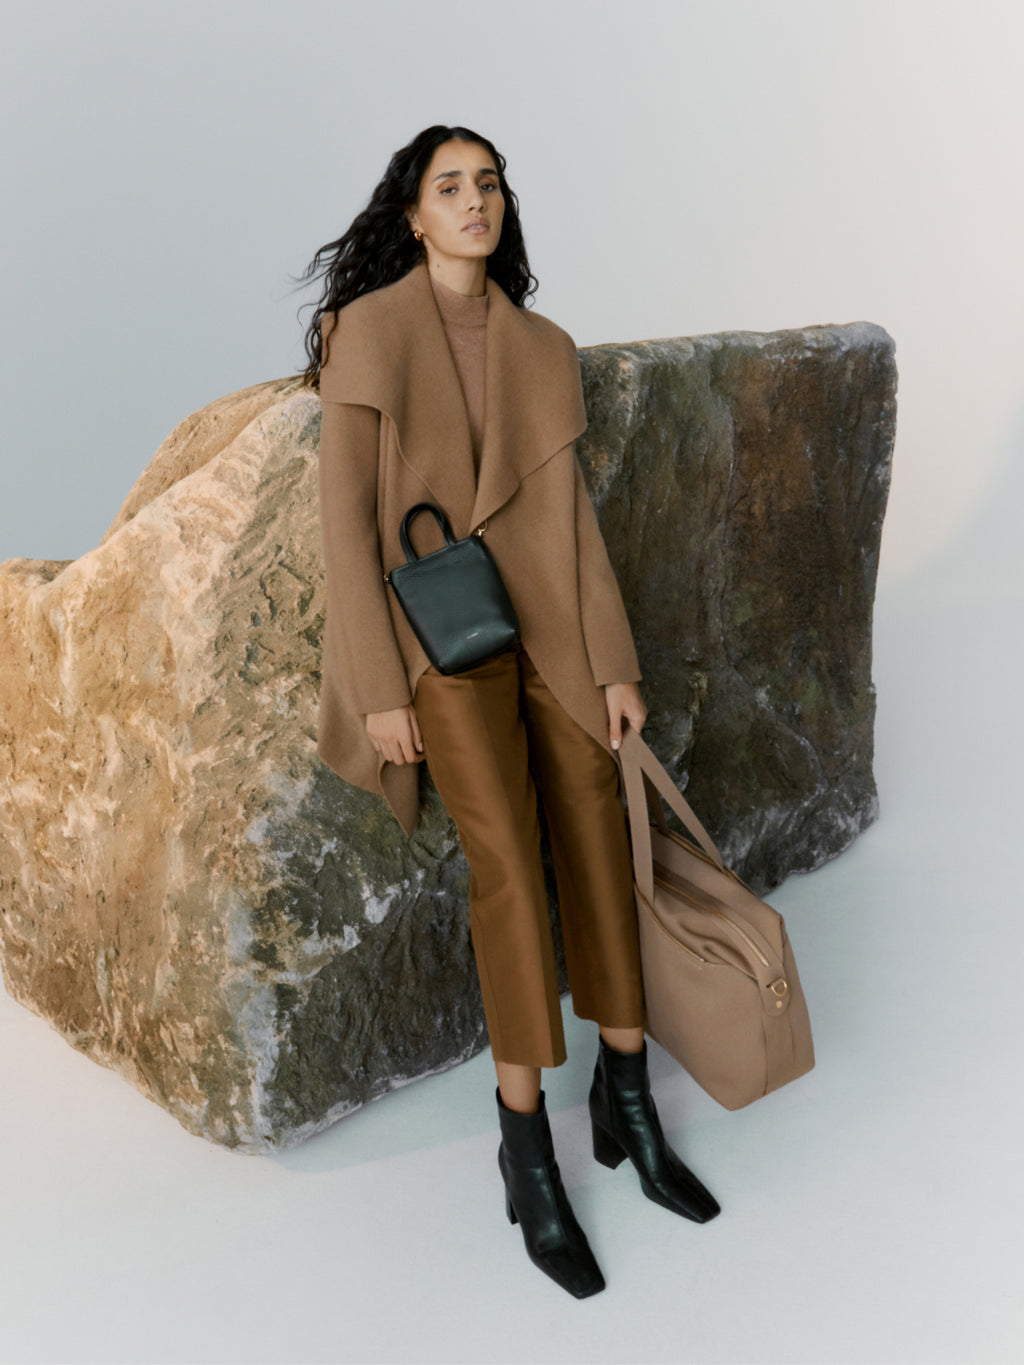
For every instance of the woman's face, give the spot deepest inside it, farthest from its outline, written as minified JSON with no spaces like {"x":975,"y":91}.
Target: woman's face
{"x":459,"y":189}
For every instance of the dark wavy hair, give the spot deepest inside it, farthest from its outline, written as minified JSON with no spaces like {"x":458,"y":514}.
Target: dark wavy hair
{"x":379,"y":247}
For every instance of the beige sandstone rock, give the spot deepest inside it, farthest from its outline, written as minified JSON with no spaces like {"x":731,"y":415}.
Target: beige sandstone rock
{"x":190,"y":896}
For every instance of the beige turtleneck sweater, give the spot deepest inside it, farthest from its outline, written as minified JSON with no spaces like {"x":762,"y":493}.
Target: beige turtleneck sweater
{"x":465,"y":325}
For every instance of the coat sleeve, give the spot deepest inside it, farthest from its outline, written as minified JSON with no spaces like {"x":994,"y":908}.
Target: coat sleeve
{"x":606,"y":630}
{"x":362,"y":633}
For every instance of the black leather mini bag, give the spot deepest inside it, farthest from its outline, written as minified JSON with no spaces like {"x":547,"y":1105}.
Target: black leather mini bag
{"x":454,"y":597}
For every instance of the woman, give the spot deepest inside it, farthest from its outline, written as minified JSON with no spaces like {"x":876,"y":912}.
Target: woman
{"x":438,"y":385}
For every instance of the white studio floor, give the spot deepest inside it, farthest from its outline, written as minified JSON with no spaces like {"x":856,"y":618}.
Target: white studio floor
{"x":871,"y":1210}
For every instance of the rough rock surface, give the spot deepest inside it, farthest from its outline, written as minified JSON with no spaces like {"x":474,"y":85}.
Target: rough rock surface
{"x":190,"y":896}
{"x":741,"y":480}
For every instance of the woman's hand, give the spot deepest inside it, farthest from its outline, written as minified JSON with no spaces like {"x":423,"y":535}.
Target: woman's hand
{"x":396,"y":734}
{"x":623,"y":699}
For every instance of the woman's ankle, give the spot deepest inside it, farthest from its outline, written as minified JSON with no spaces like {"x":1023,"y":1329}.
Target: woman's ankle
{"x":519,"y":1087}
{"x":629,"y":1040}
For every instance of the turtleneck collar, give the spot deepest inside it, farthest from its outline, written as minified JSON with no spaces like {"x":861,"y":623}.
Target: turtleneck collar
{"x":464,"y":310}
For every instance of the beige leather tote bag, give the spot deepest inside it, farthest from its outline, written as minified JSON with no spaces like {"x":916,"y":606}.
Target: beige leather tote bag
{"x":721,"y":989}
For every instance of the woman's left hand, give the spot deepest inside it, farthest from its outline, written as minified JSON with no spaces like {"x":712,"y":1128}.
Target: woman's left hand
{"x":623,"y":699}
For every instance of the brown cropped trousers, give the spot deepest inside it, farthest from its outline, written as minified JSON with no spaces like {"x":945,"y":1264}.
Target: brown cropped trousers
{"x":493,"y":737}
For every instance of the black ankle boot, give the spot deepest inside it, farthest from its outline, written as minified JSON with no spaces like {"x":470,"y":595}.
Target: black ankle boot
{"x":535,"y":1198}
{"x":625,"y":1123}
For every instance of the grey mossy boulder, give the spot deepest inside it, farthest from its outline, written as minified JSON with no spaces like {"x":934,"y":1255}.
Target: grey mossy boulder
{"x":742,"y":480}
{"x":189,"y":895}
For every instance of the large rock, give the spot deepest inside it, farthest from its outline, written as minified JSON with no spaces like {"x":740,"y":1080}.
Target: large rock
{"x":189,"y":895}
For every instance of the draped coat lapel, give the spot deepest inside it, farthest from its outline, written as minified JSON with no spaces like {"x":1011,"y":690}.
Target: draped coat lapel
{"x":397,"y":359}
{"x":387,"y":350}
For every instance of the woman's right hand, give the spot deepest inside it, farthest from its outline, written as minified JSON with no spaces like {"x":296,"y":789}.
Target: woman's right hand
{"x":396,"y":734}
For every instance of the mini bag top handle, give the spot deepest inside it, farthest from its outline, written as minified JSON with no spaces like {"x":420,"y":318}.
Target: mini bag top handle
{"x":438,"y":514}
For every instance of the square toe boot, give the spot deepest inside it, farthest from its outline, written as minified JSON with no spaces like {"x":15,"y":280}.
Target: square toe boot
{"x":535,"y":1198}
{"x":625,"y":1123}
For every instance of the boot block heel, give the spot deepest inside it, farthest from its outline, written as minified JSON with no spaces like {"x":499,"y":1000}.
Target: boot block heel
{"x":606,"y":1150}
{"x":509,"y":1209}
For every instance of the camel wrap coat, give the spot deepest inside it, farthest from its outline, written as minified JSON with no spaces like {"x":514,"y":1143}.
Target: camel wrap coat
{"x":407,"y":440}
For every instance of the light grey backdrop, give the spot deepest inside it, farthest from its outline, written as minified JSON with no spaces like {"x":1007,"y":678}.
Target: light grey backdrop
{"x":682,"y":167}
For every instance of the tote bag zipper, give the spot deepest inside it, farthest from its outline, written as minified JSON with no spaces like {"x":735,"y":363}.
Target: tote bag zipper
{"x":671,"y":886}
{"x":696,"y":956}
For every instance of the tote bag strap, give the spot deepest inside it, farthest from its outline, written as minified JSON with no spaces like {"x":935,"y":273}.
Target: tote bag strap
{"x":639,"y":766}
